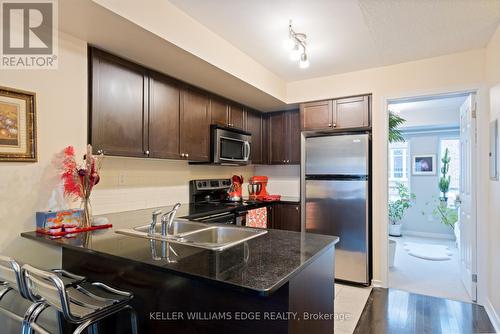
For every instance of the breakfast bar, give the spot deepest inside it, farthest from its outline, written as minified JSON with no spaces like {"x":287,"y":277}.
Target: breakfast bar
{"x":278,"y":282}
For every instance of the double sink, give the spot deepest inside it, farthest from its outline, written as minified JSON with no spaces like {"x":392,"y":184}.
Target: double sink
{"x":189,"y":233}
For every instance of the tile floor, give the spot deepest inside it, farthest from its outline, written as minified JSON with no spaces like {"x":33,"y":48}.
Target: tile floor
{"x":431,"y":278}
{"x":349,"y":304}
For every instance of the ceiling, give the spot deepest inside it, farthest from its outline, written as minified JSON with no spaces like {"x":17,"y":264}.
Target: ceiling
{"x":347,"y":35}
{"x":431,"y":112}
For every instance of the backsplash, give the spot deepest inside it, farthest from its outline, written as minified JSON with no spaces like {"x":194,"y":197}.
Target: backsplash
{"x":130,"y":184}
{"x":283,"y":180}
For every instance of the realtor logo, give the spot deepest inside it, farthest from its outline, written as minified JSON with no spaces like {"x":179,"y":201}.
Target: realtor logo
{"x":29,"y":34}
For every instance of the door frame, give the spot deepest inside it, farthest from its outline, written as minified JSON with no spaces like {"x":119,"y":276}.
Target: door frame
{"x":481,"y":204}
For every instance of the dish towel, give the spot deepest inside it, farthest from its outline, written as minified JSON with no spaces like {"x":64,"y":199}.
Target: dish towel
{"x":257,"y":218}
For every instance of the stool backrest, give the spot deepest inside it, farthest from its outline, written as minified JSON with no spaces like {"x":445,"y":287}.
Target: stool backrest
{"x":46,"y":286}
{"x":10,"y":274}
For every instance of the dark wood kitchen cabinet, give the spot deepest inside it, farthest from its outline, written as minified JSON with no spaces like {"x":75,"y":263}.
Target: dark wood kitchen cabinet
{"x":225,"y":114}
{"x":338,"y":114}
{"x":316,"y":115}
{"x":286,"y":216}
{"x":236,"y":117}
{"x":164,"y":136}
{"x":352,"y":112}
{"x":284,"y":138}
{"x":194,"y":125}
{"x":117,"y":106}
{"x":219,"y":111}
{"x":255,"y":125}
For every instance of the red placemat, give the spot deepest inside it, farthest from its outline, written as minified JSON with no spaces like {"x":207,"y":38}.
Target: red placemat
{"x":78,"y":230}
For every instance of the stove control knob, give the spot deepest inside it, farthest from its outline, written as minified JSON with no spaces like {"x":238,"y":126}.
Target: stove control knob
{"x":199,"y":185}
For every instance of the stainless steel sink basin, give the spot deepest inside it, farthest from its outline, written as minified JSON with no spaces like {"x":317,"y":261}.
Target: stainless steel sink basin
{"x":178,"y":227}
{"x":184,"y":232}
{"x":220,"y":237}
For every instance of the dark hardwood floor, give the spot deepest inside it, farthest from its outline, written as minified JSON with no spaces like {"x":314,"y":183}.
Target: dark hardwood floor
{"x":398,"y":312}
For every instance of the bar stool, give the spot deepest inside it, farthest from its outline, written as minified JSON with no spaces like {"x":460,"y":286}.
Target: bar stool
{"x":13,"y":302}
{"x":83,"y":304}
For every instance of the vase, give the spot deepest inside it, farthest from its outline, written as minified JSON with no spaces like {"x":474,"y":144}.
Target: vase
{"x":86,"y":213}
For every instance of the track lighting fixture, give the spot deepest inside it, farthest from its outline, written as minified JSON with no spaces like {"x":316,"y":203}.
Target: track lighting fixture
{"x":296,"y":45}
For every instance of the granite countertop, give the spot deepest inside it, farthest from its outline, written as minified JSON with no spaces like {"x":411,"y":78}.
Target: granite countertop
{"x":261,"y":265}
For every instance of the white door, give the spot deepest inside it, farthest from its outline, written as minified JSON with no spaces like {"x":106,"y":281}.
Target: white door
{"x":467,"y":216}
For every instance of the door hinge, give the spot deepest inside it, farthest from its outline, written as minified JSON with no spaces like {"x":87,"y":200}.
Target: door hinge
{"x":474,"y":278}
{"x":473,"y":111}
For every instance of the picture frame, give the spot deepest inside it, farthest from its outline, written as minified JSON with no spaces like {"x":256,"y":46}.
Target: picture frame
{"x":18,"y":136}
{"x":424,"y":164}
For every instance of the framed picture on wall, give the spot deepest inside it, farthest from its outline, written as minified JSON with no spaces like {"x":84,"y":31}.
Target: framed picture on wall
{"x":424,"y":164}
{"x":17,"y":125}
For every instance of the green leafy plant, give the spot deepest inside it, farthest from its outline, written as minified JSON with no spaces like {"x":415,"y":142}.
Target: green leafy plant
{"x":395,"y":121}
{"x":445,"y":179}
{"x":446,"y":215}
{"x":398,"y":207}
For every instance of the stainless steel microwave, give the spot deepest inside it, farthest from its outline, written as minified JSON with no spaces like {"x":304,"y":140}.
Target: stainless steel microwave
{"x":230,"y":146}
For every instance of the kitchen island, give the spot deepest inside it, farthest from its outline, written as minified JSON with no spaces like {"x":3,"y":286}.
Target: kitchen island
{"x":280,"y":282}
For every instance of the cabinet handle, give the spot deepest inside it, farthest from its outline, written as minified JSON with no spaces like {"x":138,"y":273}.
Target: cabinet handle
{"x":100,"y":152}
{"x":334,"y":125}
{"x":146,"y":152}
{"x":288,"y":161}
{"x":330,"y":125}
{"x":297,"y":208}
{"x":187,"y":155}
{"x":182,"y":155}
{"x":284,"y":161}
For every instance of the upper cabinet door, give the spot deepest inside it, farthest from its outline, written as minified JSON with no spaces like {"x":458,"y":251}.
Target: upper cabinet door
{"x":316,"y":115}
{"x":277,"y":138}
{"x":163,"y":118}
{"x":219,"y":111}
{"x":293,"y":135}
{"x":254,"y":126}
{"x":194,"y":125}
{"x":352,"y":112}
{"x":118,"y":106}
{"x":236,"y":117}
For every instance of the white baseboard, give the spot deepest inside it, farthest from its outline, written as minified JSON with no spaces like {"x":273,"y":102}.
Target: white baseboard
{"x":494,"y":318}
{"x":429,"y":235}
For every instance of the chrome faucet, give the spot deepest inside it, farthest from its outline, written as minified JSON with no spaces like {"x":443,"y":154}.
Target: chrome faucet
{"x":152,"y":227}
{"x":167,"y":219}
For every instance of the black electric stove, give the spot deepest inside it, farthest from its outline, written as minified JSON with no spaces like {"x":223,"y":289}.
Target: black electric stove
{"x":209,"y":202}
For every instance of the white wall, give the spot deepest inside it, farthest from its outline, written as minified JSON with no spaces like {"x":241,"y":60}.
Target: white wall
{"x":492,"y":70}
{"x":450,"y":73}
{"x":62,"y":120}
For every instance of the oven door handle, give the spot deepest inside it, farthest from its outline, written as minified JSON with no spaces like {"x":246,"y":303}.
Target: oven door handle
{"x":217,"y":215}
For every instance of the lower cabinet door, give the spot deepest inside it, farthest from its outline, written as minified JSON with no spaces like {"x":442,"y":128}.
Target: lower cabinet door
{"x":286,"y":216}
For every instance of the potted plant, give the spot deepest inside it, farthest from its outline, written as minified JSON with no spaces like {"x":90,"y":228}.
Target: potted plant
{"x":395,"y":121}
{"x":397,"y":209}
{"x":444,"y":180}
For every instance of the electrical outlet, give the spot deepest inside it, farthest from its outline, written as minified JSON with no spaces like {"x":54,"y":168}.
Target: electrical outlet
{"x":121,"y":179}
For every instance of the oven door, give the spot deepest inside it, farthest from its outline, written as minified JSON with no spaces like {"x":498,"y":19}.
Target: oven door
{"x":230,"y":146}
{"x":220,"y":218}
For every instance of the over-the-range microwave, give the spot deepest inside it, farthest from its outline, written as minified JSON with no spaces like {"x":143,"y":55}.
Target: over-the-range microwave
{"x":230,"y":146}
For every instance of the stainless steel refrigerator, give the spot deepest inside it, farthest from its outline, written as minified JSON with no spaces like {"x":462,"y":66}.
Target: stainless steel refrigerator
{"x":336,"y":199}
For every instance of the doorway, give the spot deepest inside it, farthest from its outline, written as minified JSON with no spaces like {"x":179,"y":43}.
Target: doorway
{"x":431,"y":199}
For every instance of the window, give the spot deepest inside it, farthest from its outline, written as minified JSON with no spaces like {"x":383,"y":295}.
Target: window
{"x":453,"y":146}
{"x":398,"y":167}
